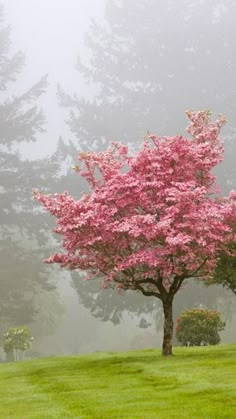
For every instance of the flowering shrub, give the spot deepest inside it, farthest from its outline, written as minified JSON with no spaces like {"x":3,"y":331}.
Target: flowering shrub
{"x":17,"y":340}
{"x":199,"y":327}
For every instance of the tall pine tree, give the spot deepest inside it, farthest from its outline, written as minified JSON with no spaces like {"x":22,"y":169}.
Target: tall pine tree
{"x":21,"y":237}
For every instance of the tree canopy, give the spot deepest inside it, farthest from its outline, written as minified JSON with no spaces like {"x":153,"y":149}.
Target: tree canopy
{"x":152,"y":220}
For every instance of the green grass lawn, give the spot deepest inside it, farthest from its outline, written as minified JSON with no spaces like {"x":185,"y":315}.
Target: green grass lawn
{"x":195,"y":383}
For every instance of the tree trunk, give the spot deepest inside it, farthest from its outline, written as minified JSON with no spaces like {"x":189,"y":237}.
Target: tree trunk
{"x":168,"y":327}
{"x":10,"y":356}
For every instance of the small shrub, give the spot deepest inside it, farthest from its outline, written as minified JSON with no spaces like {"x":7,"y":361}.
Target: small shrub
{"x":17,"y":340}
{"x":198,"y":327}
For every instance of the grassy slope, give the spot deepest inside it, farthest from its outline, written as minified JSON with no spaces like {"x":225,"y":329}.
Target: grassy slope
{"x":196,"y":383}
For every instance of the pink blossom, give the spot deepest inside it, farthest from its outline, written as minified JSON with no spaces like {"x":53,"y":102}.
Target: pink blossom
{"x":158,"y":221}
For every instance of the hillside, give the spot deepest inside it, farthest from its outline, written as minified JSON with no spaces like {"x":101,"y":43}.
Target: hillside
{"x":195,"y":383}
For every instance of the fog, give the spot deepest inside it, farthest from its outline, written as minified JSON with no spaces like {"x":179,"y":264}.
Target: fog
{"x":50,"y":34}
{"x":77,"y":75}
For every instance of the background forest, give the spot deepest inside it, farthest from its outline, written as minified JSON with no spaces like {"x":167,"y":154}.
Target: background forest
{"x":76,"y":77}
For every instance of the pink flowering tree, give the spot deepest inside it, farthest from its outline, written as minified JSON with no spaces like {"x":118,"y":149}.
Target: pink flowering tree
{"x":151,"y":221}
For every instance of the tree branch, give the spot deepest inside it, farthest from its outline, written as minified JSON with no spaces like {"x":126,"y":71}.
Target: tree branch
{"x":149,"y":293}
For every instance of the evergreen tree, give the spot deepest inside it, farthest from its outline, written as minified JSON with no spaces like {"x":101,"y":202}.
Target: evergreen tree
{"x":149,"y":62}
{"x":21,"y":234}
{"x":225,"y":273}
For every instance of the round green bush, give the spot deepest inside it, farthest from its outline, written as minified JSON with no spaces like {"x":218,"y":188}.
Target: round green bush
{"x":198,"y":327}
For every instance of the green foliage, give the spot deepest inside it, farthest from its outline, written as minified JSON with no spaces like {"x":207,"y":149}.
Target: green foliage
{"x":198,"y":327}
{"x":225,"y":273}
{"x":17,"y":340}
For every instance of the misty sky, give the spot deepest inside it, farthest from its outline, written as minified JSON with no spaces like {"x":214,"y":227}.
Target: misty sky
{"x":50,"y":33}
